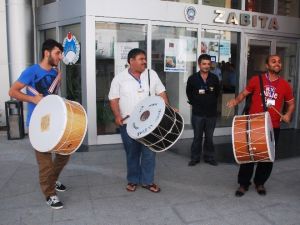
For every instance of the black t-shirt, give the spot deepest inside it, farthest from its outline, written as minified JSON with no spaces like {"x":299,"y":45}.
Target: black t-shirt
{"x":203,"y":95}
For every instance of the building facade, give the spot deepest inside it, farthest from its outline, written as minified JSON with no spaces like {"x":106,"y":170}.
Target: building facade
{"x":238,"y":34}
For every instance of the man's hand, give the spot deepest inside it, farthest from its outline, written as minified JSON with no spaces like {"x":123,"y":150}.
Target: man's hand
{"x":37,"y":98}
{"x":286,"y":118}
{"x":231,"y":103}
{"x":119,"y":121}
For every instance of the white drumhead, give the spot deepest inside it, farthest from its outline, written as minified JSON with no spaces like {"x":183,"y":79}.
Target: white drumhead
{"x":48,"y":122}
{"x":270,"y":136}
{"x":145,"y":117}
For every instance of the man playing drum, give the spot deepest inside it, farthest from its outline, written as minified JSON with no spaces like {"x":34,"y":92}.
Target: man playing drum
{"x":277,"y":91}
{"x":40,"y":77}
{"x":127,"y":89}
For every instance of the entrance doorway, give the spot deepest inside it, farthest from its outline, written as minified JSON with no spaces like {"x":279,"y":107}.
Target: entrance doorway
{"x":258,"y":50}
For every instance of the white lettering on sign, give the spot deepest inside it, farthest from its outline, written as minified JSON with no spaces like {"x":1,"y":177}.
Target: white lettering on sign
{"x":245,"y":19}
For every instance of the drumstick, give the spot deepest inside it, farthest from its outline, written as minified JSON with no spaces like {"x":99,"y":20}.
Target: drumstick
{"x":229,"y":111}
{"x":125,"y":118}
{"x":271,"y":106}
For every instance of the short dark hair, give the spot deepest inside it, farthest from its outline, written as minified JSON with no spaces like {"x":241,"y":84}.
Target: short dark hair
{"x":269,"y":56}
{"x":134,"y":52}
{"x":204,"y":57}
{"x":50,"y":44}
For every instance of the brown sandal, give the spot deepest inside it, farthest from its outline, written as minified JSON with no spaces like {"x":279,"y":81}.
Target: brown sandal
{"x":152,"y":187}
{"x":131,"y":187}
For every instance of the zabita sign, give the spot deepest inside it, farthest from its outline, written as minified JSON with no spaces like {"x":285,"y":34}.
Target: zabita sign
{"x":244,"y":19}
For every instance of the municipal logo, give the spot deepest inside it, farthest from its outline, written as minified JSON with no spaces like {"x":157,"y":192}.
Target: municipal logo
{"x":71,"y":49}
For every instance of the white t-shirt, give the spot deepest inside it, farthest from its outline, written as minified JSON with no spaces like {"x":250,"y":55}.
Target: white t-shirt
{"x":126,"y":88}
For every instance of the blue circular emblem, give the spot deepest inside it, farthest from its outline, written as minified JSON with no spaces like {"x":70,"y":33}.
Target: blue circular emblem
{"x":71,"y":49}
{"x":190,"y":13}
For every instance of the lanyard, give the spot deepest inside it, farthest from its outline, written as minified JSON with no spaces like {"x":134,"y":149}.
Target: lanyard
{"x":270,"y":82}
{"x":138,"y":80}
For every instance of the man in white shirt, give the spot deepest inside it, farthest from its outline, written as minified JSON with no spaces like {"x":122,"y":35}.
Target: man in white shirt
{"x":127,"y":89}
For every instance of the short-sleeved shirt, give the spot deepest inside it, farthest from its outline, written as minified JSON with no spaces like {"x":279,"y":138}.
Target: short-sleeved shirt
{"x":40,"y":80}
{"x":277,"y":92}
{"x":130,"y":92}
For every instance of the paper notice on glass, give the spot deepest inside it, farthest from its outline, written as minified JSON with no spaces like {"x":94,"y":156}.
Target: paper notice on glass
{"x":121,"y":50}
{"x":175,"y":55}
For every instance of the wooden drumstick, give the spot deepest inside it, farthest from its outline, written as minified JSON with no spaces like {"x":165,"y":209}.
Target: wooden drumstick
{"x":271,"y":106}
{"x":125,"y":118}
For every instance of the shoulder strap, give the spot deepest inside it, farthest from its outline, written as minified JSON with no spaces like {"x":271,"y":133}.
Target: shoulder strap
{"x":149,"y":81}
{"x":262,"y":94}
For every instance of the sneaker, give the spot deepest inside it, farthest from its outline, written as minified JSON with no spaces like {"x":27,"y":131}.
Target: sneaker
{"x":193,"y":162}
{"x":60,"y":187}
{"x":211,"y":162}
{"x":54,"y":203}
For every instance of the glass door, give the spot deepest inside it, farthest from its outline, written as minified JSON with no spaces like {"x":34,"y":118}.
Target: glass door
{"x":258,"y":48}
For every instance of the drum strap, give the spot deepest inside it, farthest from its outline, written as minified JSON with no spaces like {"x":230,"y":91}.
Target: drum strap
{"x":149,"y":81}
{"x":262,"y":94}
{"x":51,"y":89}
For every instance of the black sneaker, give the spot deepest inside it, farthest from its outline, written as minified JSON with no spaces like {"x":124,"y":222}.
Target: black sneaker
{"x":193,"y":162}
{"x":60,"y":187}
{"x":211,"y":162}
{"x":54,"y":203}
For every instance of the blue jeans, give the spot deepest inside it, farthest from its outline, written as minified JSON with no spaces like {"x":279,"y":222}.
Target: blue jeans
{"x":140,"y":160}
{"x":207,"y":126}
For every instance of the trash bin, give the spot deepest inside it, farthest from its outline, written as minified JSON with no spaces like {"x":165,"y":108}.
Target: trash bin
{"x":14,"y":119}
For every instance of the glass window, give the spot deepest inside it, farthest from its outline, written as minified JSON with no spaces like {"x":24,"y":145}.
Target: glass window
{"x":71,"y":85}
{"x":113,"y":42}
{"x":184,"y":1}
{"x":233,"y":4}
{"x":289,"y":8}
{"x":224,"y":48}
{"x":174,"y":55}
{"x":44,"y":2}
{"x":44,"y":35}
{"x":260,"y":6}
{"x":258,"y":51}
{"x":288,"y":54}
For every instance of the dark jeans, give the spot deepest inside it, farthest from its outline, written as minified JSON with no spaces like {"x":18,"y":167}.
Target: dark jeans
{"x":140,"y":160}
{"x":207,"y":126}
{"x":263,"y":169}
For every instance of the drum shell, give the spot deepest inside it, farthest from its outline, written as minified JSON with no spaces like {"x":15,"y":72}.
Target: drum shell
{"x":155,"y":124}
{"x":166,"y":134}
{"x":253,"y":138}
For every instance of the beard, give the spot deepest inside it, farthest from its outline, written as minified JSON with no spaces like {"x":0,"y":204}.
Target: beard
{"x":275,"y":71}
{"x":51,"y":62}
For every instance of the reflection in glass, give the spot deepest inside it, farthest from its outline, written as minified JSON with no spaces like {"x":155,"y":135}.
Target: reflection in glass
{"x":174,"y":55}
{"x":71,"y":85}
{"x":184,"y":1}
{"x":258,"y":52}
{"x":232,"y":4}
{"x":262,"y":6}
{"x":223,"y":47}
{"x":289,"y":8}
{"x":112,"y":43}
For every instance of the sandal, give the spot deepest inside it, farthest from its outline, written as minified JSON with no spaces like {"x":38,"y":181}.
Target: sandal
{"x":131,"y":187}
{"x":261,"y":189}
{"x":241,"y":191}
{"x":152,"y":187}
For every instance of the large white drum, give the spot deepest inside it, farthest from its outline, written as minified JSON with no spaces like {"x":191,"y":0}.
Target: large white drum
{"x":155,"y":124}
{"x":57,"y":125}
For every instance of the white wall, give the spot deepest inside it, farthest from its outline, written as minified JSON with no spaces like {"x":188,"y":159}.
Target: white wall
{"x":4,"y":76}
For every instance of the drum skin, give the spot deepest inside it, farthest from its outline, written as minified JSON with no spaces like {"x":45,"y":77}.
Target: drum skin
{"x":57,"y":125}
{"x":253,"y":138}
{"x":155,"y":124}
